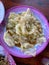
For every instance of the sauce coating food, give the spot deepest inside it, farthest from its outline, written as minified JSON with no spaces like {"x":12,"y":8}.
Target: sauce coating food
{"x":23,"y":30}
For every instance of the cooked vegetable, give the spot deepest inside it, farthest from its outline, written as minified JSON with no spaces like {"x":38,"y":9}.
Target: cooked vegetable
{"x":23,"y":30}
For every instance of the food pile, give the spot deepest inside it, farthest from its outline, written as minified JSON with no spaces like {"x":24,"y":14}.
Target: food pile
{"x":23,"y":30}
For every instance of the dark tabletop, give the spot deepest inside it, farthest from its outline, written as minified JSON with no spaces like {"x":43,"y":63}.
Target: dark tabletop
{"x":43,"y":6}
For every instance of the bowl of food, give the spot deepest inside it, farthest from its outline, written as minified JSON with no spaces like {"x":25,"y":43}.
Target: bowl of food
{"x":26,"y":31}
{"x":5,"y":58}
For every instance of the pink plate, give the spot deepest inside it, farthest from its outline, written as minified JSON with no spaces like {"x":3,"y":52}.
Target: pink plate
{"x":15,"y":51}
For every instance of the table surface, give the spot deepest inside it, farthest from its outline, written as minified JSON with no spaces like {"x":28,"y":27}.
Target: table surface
{"x":43,"y":6}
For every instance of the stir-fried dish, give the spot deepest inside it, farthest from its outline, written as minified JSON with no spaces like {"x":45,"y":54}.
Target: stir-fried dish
{"x":23,"y":30}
